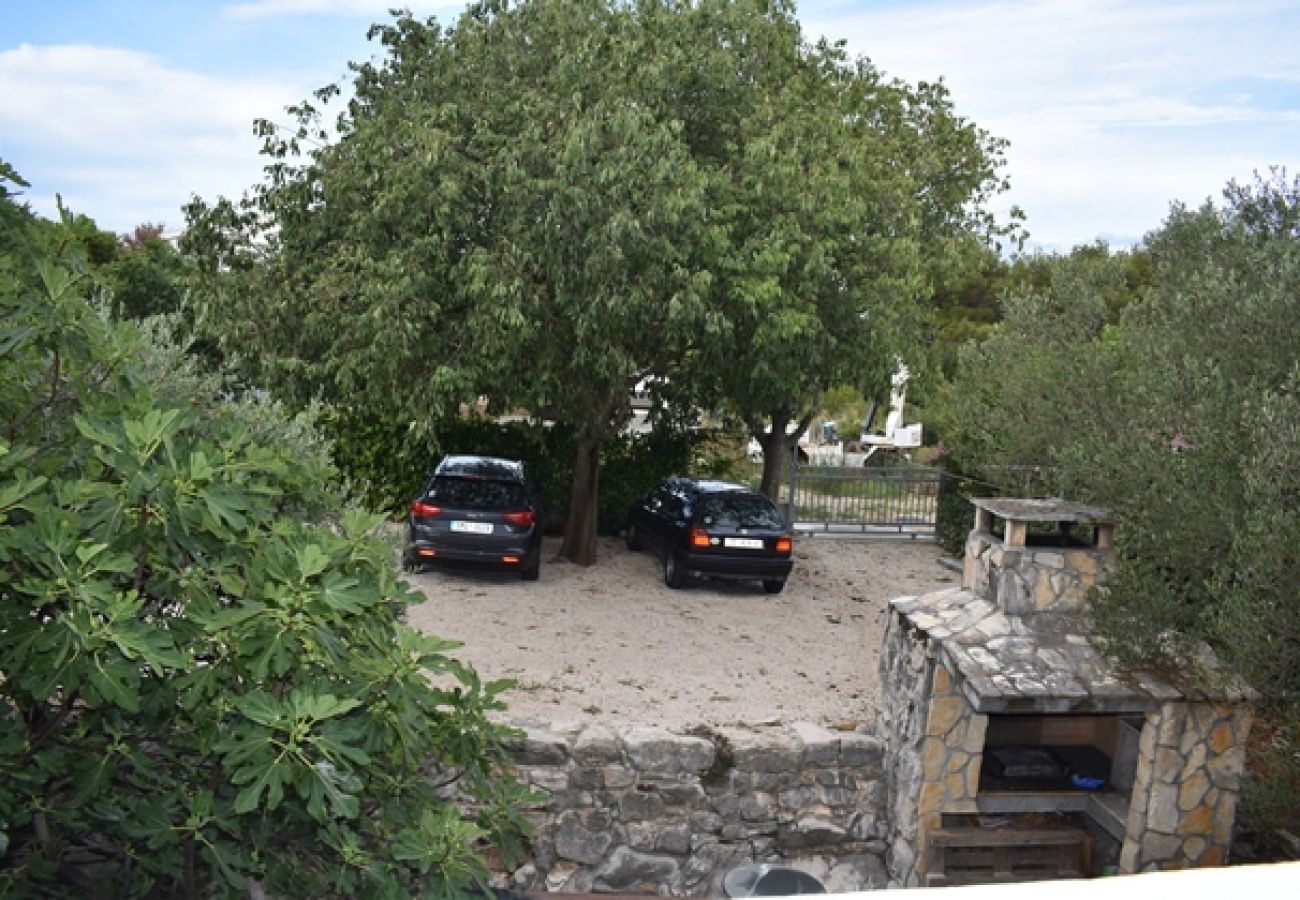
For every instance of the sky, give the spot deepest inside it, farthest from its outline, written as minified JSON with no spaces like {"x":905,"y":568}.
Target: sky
{"x":1113,"y":110}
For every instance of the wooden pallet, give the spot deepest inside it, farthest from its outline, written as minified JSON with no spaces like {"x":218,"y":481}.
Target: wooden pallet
{"x":991,"y":855}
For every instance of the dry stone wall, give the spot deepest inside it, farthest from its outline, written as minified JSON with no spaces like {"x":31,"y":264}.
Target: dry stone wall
{"x":643,"y":810}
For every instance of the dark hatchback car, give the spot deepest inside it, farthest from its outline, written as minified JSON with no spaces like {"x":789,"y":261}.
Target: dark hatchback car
{"x":716,"y":529}
{"x":478,"y":510}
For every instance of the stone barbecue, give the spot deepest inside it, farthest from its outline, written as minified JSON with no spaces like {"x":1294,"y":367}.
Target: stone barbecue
{"x":1016,"y":750}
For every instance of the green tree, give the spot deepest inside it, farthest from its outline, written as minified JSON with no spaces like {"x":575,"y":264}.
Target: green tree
{"x":501,"y":215}
{"x":147,"y":275}
{"x":854,"y":197}
{"x":554,"y":200}
{"x":204,"y":680}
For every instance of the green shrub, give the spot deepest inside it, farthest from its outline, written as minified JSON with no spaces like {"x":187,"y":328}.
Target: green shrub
{"x":199,"y":686}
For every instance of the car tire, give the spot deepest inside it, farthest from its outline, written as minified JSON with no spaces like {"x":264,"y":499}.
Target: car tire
{"x":632,"y":537}
{"x":672,"y":571}
{"x":774,"y":585}
{"x":532,"y":570}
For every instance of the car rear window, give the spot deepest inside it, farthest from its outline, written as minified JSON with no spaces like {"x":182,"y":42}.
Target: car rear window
{"x":739,"y":511}
{"x":477,"y":493}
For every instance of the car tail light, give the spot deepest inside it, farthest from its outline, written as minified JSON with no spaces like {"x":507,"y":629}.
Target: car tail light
{"x":427,"y":552}
{"x":699,"y":537}
{"x":525,"y":518}
{"x":422,"y":510}
{"x":510,"y":559}
{"x":784,"y":545}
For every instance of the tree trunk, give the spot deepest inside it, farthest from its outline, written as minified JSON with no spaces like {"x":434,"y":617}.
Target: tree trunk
{"x":580,"y":524}
{"x":776,"y":446}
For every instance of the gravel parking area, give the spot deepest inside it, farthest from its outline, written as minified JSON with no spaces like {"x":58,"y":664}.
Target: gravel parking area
{"x":612,"y":643}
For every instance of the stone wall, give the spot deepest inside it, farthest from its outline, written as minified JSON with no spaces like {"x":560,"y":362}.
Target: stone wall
{"x":906,"y":674}
{"x":1190,"y":759}
{"x":1023,"y":580}
{"x":642,"y":810}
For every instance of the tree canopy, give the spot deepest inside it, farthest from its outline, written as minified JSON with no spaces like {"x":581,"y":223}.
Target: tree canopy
{"x":553,"y":200}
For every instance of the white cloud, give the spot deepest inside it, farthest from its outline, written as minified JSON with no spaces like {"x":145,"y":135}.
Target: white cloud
{"x":1113,"y":109}
{"x":127,"y":137}
{"x":259,"y":9}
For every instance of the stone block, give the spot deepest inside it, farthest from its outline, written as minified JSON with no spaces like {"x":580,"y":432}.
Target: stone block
{"x":706,"y":822}
{"x":573,"y":842}
{"x":618,"y":777}
{"x":1199,"y":821}
{"x":1048,"y":559}
{"x":769,"y":751}
{"x":656,"y":752}
{"x":933,"y":759}
{"x":597,"y":745}
{"x":1162,"y":812}
{"x":689,"y":794}
{"x":809,"y":832}
{"x":1169,"y":764}
{"x":1084,"y":562}
{"x":1160,"y":848}
{"x":1222,"y":738}
{"x":546,"y":778}
{"x":675,"y":839}
{"x":585,"y":779}
{"x":1192,"y":791}
{"x":627,"y":871}
{"x":538,"y":747}
{"x":1170,"y":733}
{"x":945,"y":712}
{"x":756,"y":807}
{"x":640,"y":806}
{"x":821,"y":746}
{"x":862,"y":752}
{"x":797,"y":798}
{"x":643,"y":836}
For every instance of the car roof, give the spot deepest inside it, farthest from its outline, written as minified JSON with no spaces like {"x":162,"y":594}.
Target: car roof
{"x":714,"y":485}
{"x":468,"y":466}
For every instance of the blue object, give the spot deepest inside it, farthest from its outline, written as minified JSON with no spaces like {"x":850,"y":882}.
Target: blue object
{"x":1088,"y":784}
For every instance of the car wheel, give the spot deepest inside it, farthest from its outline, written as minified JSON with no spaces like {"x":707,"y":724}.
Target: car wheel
{"x":633,"y":537}
{"x":672,"y":571}
{"x":409,"y":565}
{"x":774,"y":585}
{"x":532,"y":570}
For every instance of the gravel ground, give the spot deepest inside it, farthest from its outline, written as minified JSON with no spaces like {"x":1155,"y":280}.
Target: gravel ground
{"x":612,"y":643}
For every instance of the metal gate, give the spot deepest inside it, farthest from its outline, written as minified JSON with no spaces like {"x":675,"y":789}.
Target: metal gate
{"x":893,"y":501}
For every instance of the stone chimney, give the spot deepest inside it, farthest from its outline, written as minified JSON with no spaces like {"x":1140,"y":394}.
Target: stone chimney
{"x":1037,"y":556}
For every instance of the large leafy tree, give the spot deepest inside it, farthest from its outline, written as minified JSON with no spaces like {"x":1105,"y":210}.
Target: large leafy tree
{"x":501,"y":214}
{"x":204,"y":681}
{"x":854,"y":197}
{"x":553,"y":200}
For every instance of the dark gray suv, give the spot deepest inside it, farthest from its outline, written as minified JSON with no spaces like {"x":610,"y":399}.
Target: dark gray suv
{"x":479,"y":510}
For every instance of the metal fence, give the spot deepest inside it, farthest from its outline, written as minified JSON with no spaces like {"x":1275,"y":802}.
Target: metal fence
{"x":861,"y":501}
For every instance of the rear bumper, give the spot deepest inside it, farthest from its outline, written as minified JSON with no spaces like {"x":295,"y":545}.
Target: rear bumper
{"x":719,"y":565}
{"x":432,"y":552}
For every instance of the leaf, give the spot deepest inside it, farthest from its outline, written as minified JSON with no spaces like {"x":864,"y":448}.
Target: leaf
{"x":13,"y":492}
{"x":114,"y":685}
{"x":312,"y":560}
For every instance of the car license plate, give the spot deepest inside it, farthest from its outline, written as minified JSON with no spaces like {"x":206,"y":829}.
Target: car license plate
{"x":743,"y":543}
{"x":471,"y":527}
